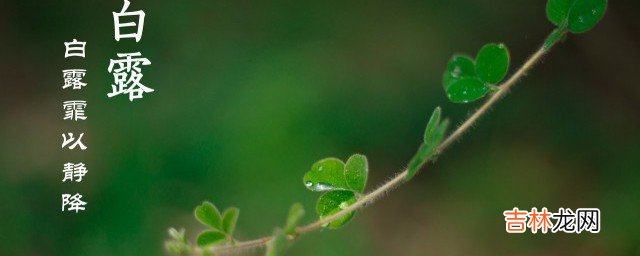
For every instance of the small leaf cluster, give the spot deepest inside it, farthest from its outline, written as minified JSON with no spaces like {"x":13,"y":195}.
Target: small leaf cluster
{"x":467,"y":80}
{"x":279,"y":241}
{"x":220,"y":227}
{"x":433,"y":136}
{"x":342,"y":184}
{"x":575,"y":16}
{"x":177,"y":243}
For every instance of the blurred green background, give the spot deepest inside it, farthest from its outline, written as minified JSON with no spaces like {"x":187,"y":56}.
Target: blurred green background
{"x":250,"y":93}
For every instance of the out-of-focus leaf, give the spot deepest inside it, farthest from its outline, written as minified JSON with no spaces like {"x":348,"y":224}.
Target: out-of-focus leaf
{"x":210,"y":237}
{"x":296,"y":212}
{"x":229,"y":219}
{"x":356,"y":171}
{"x":209,"y":215}
{"x":277,"y":245}
{"x":333,"y":202}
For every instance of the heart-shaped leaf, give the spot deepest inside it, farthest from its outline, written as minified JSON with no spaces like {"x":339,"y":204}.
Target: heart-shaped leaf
{"x":459,"y":66}
{"x":356,"y":171}
{"x":326,"y":174}
{"x":209,"y":215}
{"x":295,"y":214}
{"x":467,"y":89}
{"x":229,"y":219}
{"x":577,"y":15}
{"x":210,"y":237}
{"x":334,"y":201}
{"x":492,"y":63}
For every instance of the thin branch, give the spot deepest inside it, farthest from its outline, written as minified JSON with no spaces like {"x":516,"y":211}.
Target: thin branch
{"x":399,"y":179}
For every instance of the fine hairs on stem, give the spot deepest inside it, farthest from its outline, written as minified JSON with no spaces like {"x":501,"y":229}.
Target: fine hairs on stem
{"x":399,"y":179}
{"x":343,"y":183}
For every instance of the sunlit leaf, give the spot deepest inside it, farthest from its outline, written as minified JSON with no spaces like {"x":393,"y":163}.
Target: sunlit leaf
{"x":229,"y":219}
{"x":356,"y":171}
{"x":326,"y":174}
{"x":210,"y":237}
{"x":334,"y":201}
{"x":492,"y":63}
{"x":209,"y":215}
{"x":295,"y":214}
{"x":459,"y":66}
{"x":467,"y":89}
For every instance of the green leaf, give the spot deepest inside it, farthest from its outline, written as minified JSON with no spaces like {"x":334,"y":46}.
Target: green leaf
{"x":177,"y":244}
{"x":419,"y":159}
{"x":210,"y":237}
{"x":558,"y":10}
{"x":229,"y":220}
{"x":356,"y":171}
{"x":426,"y":152}
{"x":278,"y":244}
{"x":296,"y":212}
{"x":434,"y":121}
{"x":326,"y":174}
{"x":209,"y":215}
{"x":579,"y":15}
{"x":334,"y":201}
{"x":439,"y":133}
{"x":585,"y":14}
{"x":492,"y":63}
{"x":459,"y":66}
{"x":466,"y":90}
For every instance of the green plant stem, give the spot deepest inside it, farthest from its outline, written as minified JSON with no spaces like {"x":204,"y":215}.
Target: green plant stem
{"x":399,"y":179}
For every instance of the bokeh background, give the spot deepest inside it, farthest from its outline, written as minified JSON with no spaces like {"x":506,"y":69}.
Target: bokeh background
{"x":250,"y":93}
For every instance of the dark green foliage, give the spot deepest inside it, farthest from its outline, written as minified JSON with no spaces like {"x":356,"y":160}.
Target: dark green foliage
{"x":466,"y":80}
